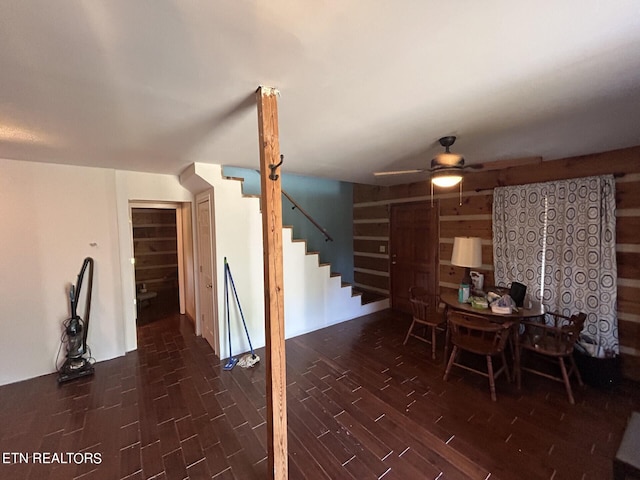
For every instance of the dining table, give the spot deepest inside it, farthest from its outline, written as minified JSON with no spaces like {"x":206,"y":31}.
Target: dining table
{"x":450,"y":300}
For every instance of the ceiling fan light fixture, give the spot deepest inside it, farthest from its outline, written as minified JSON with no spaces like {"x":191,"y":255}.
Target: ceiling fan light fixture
{"x":446,"y":177}
{"x":446,"y":167}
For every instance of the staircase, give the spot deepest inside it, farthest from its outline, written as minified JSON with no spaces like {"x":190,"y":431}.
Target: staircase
{"x":318,"y":290}
{"x":314,"y":296}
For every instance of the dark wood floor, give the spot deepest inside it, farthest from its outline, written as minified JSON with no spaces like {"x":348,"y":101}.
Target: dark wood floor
{"x":361,"y":405}
{"x":166,"y":303}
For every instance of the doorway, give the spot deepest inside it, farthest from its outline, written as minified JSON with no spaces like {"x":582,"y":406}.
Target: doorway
{"x":155,"y":247}
{"x":414,"y":241}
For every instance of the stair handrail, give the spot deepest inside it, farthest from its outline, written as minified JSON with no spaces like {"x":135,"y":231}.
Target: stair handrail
{"x":327,"y":237}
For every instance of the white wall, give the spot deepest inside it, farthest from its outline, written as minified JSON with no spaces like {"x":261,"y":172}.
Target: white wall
{"x":51,"y":214}
{"x":238,"y":236}
{"x":130,"y":187}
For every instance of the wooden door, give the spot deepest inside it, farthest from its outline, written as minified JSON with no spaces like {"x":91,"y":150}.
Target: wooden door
{"x":205,"y":249}
{"x":414,"y":241}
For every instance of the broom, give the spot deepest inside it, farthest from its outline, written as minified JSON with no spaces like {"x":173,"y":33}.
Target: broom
{"x":250,"y":359}
{"x":232,"y":360}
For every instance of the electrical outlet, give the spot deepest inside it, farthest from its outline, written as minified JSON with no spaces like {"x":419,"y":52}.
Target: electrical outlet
{"x":383,"y":249}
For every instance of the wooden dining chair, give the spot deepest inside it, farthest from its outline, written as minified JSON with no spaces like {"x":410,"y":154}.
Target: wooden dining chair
{"x":554,"y":340}
{"x":479,"y":335}
{"x":425,"y":312}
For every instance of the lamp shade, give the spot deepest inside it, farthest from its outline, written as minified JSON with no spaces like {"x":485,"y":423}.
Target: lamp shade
{"x":467,"y":252}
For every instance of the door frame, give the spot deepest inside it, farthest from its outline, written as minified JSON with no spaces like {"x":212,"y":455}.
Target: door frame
{"x":177,"y":206}
{"x":207,"y":195}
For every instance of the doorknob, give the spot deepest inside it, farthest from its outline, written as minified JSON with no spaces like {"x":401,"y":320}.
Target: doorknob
{"x":209,"y":285}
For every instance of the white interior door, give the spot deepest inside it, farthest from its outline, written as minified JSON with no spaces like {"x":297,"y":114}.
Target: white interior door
{"x":207,"y":290}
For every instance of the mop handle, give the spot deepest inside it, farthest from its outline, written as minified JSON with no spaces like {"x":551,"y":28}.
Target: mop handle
{"x":226,"y":301}
{"x":233,"y":285}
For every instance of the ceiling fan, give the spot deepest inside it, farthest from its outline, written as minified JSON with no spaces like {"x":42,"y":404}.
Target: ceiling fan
{"x":446,"y":168}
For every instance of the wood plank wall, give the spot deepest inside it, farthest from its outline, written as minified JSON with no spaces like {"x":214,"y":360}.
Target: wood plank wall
{"x":473,"y":218}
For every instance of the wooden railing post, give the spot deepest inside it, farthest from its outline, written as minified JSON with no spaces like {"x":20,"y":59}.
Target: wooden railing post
{"x":273,"y":282}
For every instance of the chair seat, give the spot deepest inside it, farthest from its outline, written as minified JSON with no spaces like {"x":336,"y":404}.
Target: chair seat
{"x":479,"y":346}
{"x":544,"y":345}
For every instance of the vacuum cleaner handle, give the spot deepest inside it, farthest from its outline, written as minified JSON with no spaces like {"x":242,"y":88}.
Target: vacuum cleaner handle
{"x":87,"y":308}
{"x":72,"y":301}
{"x":74,"y":295}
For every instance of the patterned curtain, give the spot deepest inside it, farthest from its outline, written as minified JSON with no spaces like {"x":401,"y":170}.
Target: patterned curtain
{"x":564,"y":232}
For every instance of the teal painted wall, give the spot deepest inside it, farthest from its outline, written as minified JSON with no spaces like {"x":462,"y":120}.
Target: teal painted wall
{"x":329,"y":202}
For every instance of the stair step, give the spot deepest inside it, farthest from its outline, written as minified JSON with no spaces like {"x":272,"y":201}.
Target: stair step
{"x":312,"y":253}
{"x":237,"y":179}
{"x":369,"y":296}
{"x":334,"y":274}
{"x":241,"y":180}
{"x":354,"y":291}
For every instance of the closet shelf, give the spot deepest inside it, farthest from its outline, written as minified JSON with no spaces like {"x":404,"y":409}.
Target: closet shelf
{"x":163,"y":252}
{"x":150,"y":225}
{"x":153,"y":239}
{"x":155,"y":267}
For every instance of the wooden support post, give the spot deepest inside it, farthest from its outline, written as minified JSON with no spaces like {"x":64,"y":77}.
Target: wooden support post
{"x":273,"y":282}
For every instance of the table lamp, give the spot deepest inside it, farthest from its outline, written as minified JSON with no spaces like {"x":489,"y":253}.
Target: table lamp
{"x":467,"y":253}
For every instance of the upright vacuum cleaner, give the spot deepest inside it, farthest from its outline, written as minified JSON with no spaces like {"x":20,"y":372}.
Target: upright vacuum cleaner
{"x":78,"y":362}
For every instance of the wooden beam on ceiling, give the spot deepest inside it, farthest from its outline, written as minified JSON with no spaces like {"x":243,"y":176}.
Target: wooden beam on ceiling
{"x":506,"y":163}
{"x":273,"y":282}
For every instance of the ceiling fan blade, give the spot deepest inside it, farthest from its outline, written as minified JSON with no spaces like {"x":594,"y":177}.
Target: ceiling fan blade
{"x":398,"y":172}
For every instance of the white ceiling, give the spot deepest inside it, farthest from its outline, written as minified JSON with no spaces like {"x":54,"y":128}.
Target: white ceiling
{"x":365,"y":85}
